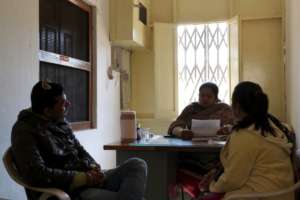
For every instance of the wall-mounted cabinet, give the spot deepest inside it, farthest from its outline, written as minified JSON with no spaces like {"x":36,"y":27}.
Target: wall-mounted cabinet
{"x":129,"y":21}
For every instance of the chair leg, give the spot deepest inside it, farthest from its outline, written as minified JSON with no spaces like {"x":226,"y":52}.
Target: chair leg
{"x":182,"y":193}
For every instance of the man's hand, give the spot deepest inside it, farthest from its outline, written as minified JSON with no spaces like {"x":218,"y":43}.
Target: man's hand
{"x":94,"y":177}
{"x":95,"y":166}
{"x":187,"y":134}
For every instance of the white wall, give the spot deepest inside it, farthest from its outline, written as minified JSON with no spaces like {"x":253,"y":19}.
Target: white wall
{"x":19,"y":70}
{"x":293,"y":63}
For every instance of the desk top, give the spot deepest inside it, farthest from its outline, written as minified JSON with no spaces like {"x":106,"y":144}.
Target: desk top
{"x":159,"y":143}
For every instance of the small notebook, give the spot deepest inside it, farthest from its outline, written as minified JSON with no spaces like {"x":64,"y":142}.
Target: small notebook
{"x":205,"y":128}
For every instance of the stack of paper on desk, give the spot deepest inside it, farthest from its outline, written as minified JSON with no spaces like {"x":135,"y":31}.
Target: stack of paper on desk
{"x":205,"y":128}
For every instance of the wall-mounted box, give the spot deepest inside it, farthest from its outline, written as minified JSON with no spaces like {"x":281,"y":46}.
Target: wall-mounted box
{"x":129,"y":20}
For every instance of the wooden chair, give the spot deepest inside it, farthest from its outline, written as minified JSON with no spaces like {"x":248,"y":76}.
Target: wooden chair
{"x":13,"y":173}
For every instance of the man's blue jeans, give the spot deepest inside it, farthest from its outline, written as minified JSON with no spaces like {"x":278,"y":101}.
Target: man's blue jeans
{"x":126,"y":182}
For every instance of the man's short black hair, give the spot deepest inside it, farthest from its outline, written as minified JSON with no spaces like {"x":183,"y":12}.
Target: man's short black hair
{"x":44,"y":94}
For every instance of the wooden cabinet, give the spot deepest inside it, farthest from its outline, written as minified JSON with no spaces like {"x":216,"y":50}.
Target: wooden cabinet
{"x":129,"y":21}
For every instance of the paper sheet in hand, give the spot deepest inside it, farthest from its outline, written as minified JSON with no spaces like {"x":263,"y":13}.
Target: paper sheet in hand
{"x":205,"y":127}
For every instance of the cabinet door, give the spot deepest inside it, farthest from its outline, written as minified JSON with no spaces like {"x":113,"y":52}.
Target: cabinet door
{"x":165,"y":71}
{"x":234,"y":52}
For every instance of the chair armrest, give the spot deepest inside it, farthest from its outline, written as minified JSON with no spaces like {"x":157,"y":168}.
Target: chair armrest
{"x":48,"y":192}
{"x":13,"y":173}
{"x":264,"y":194}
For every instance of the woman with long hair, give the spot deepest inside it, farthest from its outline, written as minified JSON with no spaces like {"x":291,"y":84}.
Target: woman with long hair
{"x":257,"y":156}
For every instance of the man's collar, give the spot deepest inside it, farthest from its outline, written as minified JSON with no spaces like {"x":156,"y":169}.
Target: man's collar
{"x":40,"y":116}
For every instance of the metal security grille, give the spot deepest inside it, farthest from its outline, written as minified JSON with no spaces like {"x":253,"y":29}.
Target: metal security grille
{"x":203,"y":55}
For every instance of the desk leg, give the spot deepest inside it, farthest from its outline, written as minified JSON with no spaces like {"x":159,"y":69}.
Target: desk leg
{"x":161,"y":171}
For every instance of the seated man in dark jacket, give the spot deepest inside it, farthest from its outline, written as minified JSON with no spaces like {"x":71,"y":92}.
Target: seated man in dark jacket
{"x":47,"y":154}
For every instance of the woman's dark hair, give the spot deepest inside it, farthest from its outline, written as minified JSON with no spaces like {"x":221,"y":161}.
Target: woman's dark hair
{"x":213,"y":87}
{"x":44,"y":94}
{"x":254,"y":102}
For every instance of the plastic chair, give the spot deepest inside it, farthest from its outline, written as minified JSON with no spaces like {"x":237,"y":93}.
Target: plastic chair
{"x":290,"y":189}
{"x":13,"y":173}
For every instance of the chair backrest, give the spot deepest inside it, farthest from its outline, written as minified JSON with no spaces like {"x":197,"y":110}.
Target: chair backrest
{"x":11,"y":167}
{"x":13,"y":173}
